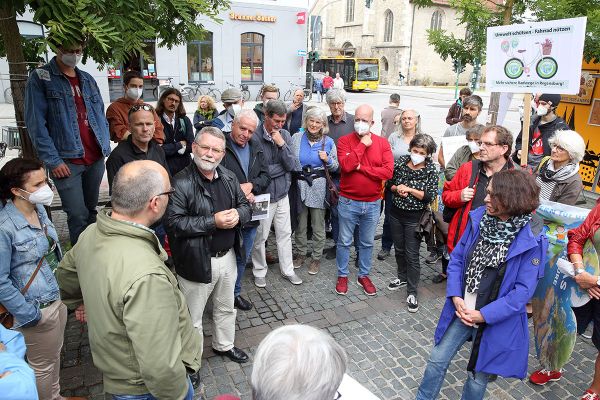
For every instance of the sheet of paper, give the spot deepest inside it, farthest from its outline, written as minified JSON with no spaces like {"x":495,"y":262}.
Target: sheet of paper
{"x":451,"y":144}
{"x":350,"y":389}
{"x":260,"y":207}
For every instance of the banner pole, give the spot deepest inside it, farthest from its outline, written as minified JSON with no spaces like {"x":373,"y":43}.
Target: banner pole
{"x":525,"y":130}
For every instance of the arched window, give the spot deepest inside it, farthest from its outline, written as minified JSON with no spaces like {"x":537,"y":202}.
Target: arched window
{"x":252,"y":57}
{"x":436,"y":20}
{"x":349,"y":10}
{"x":388,"y":30}
{"x":348,"y":49}
{"x":384,"y":64}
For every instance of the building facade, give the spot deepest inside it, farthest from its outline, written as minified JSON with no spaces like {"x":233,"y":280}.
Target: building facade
{"x":394,"y":31}
{"x":256,"y":42}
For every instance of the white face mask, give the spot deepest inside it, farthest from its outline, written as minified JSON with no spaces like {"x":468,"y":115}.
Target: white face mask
{"x":541,"y":111}
{"x":234,"y":109}
{"x":361,"y":127}
{"x":417,"y":158}
{"x":134,"y":93}
{"x":43,"y":196}
{"x":70,"y":59}
{"x":473,"y":147}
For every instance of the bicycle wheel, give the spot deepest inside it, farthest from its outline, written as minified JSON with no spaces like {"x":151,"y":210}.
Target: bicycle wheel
{"x":546,"y":68}
{"x":307,"y":94}
{"x":8,"y":98}
{"x":288,"y":96}
{"x":195,"y":93}
{"x":215,"y":94}
{"x":514,"y":68}
{"x":246,"y":94}
{"x":186,"y":93}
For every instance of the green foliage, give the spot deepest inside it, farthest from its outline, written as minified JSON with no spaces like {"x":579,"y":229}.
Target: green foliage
{"x":116,"y":30}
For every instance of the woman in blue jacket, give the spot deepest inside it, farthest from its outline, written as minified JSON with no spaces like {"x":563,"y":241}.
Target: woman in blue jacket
{"x":492,"y":274}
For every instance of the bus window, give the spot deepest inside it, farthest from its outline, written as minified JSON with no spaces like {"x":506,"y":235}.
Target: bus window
{"x":368,"y":71}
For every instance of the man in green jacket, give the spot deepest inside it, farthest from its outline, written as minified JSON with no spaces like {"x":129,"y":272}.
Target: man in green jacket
{"x":140,"y":331}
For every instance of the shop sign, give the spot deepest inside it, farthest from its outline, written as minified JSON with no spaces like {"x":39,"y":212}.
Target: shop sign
{"x":257,"y":17}
{"x":586,"y":89}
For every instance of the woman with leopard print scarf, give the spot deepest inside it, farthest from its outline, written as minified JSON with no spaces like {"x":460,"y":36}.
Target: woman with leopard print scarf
{"x":493,"y":272}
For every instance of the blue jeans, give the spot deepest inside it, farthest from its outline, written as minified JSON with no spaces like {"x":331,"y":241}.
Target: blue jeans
{"x":79,"y":195}
{"x":353,"y":214}
{"x":148,"y":396}
{"x":248,"y":235}
{"x":439,"y":360}
{"x":386,"y":236}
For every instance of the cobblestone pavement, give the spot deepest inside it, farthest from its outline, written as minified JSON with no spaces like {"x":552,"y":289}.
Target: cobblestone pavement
{"x":387,"y":346}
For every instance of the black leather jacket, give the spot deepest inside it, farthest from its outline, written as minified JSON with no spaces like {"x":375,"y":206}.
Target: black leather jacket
{"x":189,"y":221}
{"x":258,"y":172}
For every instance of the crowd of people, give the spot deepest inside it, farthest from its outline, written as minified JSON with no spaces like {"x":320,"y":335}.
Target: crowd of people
{"x":183,"y":224}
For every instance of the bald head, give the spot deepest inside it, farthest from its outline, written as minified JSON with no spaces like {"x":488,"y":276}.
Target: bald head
{"x":136,"y":184}
{"x":364,"y":113}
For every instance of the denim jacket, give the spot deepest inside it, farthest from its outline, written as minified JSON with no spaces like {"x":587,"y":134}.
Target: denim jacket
{"x":51,"y":116}
{"x":21,"y":248}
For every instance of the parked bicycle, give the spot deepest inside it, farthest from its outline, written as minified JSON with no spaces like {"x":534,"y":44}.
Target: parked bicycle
{"x":8,"y":98}
{"x":187,"y":90}
{"x":196,"y":90}
{"x":289,"y":95}
{"x":243,"y":88}
{"x":260,"y":92}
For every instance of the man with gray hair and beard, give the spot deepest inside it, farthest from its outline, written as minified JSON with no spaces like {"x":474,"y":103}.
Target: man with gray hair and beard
{"x":203,"y":221}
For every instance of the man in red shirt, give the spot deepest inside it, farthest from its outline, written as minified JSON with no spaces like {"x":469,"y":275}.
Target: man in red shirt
{"x":366,"y":162}
{"x":327,"y":82}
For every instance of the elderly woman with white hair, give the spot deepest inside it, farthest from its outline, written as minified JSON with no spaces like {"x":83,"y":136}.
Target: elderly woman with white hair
{"x":558,"y":174}
{"x":316,"y":155}
{"x":297,"y":362}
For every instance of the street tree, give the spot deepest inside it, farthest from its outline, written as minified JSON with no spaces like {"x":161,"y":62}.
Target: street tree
{"x":113,"y":31}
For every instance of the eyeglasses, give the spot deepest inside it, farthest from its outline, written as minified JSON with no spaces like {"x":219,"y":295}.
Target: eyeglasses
{"x":487,"y":144}
{"x":138,"y":107}
{"x":558,"y":148}
{"x":168,"y":193}
{"x":206,"y":148}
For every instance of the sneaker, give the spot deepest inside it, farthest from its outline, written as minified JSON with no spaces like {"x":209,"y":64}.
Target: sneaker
{"x":543,"y":376}
{"x":342,"y":285}
{"x":298,"y":261}
{"x":412,"y":303}
{"x":293,"y":278}
{"x":383,"y":254}
{"x":260,"y":282}
{"x":330,"y":253}
{"x":367,"y":285}
{"x":433,"y":257}
{"x":589,"y":395}
{"x":314,"y":266}
{"x":396,"y":284}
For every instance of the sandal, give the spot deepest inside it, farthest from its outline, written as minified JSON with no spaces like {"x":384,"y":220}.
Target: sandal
{"x":439,"y":278}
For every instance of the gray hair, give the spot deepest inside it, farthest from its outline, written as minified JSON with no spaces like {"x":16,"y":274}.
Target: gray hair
{"x":423,"y":141}
{"x":571,"y":141}
{"x":275,"y":107}
{"x":316,"y":113}
{"x":132,"y":190}
{"x":297,"y":362}
{"x":335,"y":95}
{"x":210,"y":130}
{"x":246,"y":114}
{"x":417,"y":127}
{"x":476,"y":130}
{"x":473,"y":100}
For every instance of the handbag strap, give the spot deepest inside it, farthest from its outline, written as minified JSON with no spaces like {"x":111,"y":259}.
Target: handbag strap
{"x":37,"y":269}
{"x":327,"y":176}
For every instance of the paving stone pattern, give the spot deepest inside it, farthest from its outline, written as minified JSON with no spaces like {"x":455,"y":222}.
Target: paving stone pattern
{"x":387,"y":346}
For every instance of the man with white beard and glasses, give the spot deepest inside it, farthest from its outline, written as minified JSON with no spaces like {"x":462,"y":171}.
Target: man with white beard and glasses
{"x":204,"y":220}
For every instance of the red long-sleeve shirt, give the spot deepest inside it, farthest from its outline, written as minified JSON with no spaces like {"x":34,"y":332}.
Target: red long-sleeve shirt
{"x":376,"y":166}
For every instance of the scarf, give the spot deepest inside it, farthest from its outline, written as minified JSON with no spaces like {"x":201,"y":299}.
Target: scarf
{"x":548,"y":177}
{"x":314,"y":138}
{"x":495,"y":237}
{"x":207,"y":114}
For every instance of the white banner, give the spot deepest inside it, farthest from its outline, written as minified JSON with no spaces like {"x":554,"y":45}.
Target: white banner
{"x":537,"y":56}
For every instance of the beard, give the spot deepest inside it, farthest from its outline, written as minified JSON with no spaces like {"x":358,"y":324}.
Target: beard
{"x":206,"y":164}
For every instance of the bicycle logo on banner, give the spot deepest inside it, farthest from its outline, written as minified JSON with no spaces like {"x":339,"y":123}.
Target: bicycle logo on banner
{"x":545,"y":66}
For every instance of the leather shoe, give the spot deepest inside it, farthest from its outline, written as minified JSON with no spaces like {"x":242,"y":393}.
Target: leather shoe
{"x":242,"y":304}
{"x":234,"y":354}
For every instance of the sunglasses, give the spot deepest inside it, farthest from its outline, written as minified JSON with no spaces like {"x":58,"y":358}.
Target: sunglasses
{"x":138,"y":107}
{"x":168,"y":193}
